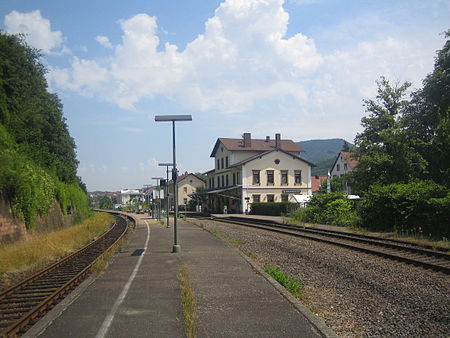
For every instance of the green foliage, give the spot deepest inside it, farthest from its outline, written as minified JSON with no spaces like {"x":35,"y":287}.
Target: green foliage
{"x":31,"y":115}
{"x":106,"y":203}
{"x":386,"y":153}
{"x":337,"y":184}
{"x":271,"y":208}
{"x":333,"y":208}
{"x":420,"y":207}
{"x":30,"y":189}
{"x":197,"y":198}
{"x":72,"y":200}
{"x":427,"y":118}
{"x":37,"y":155}
{"x":294,"y":286}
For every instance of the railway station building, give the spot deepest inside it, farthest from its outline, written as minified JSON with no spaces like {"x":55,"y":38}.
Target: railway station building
{"x":255,"y":170}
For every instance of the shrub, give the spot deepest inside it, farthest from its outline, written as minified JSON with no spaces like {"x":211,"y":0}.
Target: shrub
{"x":332,"y":208}
{"x":419,"y":207}
{"x":271,"y":208}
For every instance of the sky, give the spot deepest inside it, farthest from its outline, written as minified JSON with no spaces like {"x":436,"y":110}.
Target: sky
{"x":300,"y":68}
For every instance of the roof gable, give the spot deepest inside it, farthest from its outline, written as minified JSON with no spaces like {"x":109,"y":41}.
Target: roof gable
{"x":348,"y":158}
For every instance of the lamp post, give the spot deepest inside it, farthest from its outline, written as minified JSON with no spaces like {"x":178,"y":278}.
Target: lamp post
{"x":167,"y":165}
{"x":159,"y":195}
{"x":173,"y":119}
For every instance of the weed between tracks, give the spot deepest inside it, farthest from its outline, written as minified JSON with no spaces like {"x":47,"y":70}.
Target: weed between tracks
{"x":188,"y":302}
{"x":24,"y":257}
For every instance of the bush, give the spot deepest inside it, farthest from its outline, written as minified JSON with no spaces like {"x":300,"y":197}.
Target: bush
{"x":333,"y":208}
{"x":418,"y":207}
{"x":271,"y":208}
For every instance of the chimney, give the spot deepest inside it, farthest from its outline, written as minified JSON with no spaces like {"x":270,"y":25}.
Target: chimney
{"x":247,"y":140}
{"x":267,"y":138}
{"x":278,"y":141}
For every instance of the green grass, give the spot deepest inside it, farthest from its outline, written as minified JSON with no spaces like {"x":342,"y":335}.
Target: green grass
{"x":294,"y":286}
{"x":188,"y":302}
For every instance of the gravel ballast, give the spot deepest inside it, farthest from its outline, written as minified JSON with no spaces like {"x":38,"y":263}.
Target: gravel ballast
{"x":356,"y":294}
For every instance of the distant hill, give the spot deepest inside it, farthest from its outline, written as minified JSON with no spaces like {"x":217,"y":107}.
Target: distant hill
{"x":322,"y":153}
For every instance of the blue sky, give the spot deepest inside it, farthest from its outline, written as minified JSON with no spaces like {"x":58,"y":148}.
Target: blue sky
{"x":296,"y":67}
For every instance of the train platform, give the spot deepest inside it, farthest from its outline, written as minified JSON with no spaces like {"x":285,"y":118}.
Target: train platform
{"x":139,"y":294}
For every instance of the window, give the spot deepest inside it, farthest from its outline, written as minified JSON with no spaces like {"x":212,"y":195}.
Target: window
{"x":270,"y":198}
{"x":218,"y":164}
{"x":223,"y":181}
{"x":256,"y":198}
{"x":218,"y":181}
{"x":234,"y":178}
{"x":345,"y":166}
{"x":228,"y":183}
{"x":298,"y":176}
{"x":226,"y":162}
{"x":185,"y":200}
{"x":338,"y":167}
{"x":284,"y":177}
{"x":221,"y":162}
{"x":185,"y":189}
{"x":284,"y":197}
{"x":256,"y":177}
{"x":269,"y":177}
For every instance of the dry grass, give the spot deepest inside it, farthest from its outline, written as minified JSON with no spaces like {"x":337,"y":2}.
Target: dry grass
{"x":40,"y":249}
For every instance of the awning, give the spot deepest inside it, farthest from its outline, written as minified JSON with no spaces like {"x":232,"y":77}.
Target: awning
{"x":301,"y":198}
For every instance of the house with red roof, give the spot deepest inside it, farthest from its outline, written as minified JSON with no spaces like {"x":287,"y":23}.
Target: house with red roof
{"x":255,"y":170}
{"x":345,"y":163}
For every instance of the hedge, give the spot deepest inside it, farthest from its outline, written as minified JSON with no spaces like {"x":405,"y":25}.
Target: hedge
{"x":271,"y":208}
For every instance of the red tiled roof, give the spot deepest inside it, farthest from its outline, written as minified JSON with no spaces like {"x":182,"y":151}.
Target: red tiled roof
{"x":316,"y":182}
{"x":237,"y":144}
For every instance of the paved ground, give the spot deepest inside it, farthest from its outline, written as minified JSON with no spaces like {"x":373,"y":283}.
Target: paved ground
{"x":139,"y":294}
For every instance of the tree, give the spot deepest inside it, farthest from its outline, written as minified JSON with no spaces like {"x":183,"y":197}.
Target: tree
{"x":197,"y":198}
{"x":386,"y":154}
{"x":427,"y":118}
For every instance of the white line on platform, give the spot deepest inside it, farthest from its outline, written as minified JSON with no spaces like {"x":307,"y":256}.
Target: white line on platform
{"x":108,"y":320}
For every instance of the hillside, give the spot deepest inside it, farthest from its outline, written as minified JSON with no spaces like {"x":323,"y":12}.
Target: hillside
{"x":37,"y":154}
{"x":322,"y":153}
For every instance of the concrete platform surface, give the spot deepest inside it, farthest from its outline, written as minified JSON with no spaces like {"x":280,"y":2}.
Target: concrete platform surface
{"x":139,"y":294}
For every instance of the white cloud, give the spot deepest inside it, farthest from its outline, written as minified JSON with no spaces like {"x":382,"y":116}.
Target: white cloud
{"x":104,"y":41}
{"x":242,"y":57}
{"x":244,"y":62}
{"x":37,"y":31}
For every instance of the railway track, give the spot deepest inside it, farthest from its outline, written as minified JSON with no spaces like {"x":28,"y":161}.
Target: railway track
{"x":398,"y":250}
{"x":24,"y":303}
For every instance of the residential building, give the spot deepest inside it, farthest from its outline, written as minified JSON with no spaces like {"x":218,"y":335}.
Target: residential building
{"x":345,"y":163}
{"x":255,"y":170}
{"x":127,"y":195}
{"x":187,"y":184}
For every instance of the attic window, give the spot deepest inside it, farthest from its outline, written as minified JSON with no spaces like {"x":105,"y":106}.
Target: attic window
{"x":221,"y":149}
{"x":277,"y":161}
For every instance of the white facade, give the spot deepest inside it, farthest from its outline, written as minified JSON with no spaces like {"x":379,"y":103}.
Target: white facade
{"x":127,"y":195}
{"x":243,"y":175}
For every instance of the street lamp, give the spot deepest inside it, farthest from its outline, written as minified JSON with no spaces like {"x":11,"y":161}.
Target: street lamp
{"x":167,"y":165}
{"x":159,"y":195}
{"x":173,"y":119}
